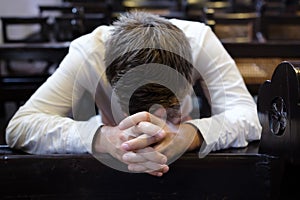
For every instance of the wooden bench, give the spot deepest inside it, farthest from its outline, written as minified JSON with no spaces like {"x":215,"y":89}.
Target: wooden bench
{"x":232,"y":174}
{"x":257,"y":61}
{"x":279,"y":111}
{"x":235,"y":27}
{"x":31,"y":22}
{"x":64,"y":19}
{"x":280,"y":27}
{"x":165,"y":8}
{"x":279,"y":115}
{"x":19,"y":87}
{"x":70,"y":20}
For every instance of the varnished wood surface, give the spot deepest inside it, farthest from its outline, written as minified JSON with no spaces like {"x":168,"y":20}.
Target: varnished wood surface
{"x":39,"y":51}
{"x":257,"y":61}
{"x":263,"y":50}
{"x":231,"y":174}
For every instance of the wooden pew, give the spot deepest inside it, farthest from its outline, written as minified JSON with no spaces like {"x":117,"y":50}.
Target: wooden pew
{"x":257,"y":61}
{"x":53,"y":51}
{"x":70,"y":20}
{"x":19,"y":87}
{"x":279,"y":115}
{"x":279,"y":111}
{"x":232,"y":174}
{"x":194,"y":10}
{"x":278,"y":27}
{"x":234,"y":27}
{"x":95,"y":13}
{"x":40,"y":35}
{"x":166,"y":8}
{"x":65,"y":21}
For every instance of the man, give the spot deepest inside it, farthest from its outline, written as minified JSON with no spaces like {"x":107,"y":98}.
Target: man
{"x":139,"y":73}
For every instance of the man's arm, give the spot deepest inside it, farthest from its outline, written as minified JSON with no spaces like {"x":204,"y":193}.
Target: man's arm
{"x":234,"y":120}
{"x":44,"y":124}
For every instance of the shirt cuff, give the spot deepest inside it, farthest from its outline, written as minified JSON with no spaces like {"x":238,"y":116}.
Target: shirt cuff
{"x":86,"y":132}
{"x":210,"y":131}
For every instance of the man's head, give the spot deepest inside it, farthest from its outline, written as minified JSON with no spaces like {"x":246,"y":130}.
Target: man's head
{"x":145,"y":48}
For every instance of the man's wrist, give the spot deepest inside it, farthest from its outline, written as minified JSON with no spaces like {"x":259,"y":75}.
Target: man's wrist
{"x":96,"y":144}
{"x":198,"y":139}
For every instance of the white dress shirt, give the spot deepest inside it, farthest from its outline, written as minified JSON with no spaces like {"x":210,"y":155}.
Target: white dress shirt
{"x":59,"y":118}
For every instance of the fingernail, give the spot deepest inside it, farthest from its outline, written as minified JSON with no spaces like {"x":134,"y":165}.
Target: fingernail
{"x":166,"y":169}
{"x":159,"y":174}
{"x":125,"y":146}
{"x":125,"y":157}
{"x":161,"y":133}
{"x":164,"y":160}
{"x":120,"y":126}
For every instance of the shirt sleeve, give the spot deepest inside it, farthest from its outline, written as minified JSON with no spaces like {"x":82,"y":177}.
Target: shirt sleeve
{"x":234,"y":121}
{"x":60,"y":117}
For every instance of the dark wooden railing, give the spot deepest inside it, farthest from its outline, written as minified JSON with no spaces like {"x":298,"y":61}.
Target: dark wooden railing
{"x":232,"y":174}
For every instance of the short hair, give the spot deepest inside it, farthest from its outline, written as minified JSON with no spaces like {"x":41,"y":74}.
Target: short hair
{"x":140,"y":38}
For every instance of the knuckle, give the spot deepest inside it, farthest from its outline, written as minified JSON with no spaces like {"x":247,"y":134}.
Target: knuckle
{"x":142,"y":125}
{"x":122,"y":137}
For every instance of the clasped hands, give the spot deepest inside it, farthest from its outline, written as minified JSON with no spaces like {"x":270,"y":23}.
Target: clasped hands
{"x":147,"y":143}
